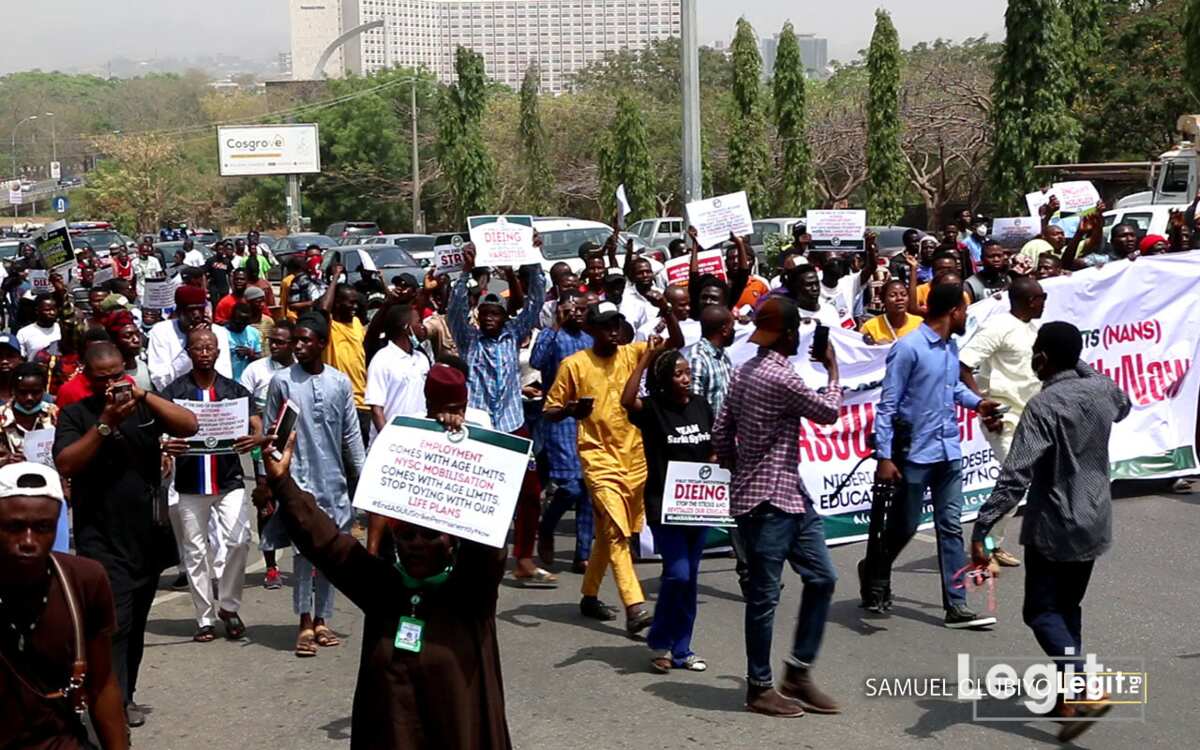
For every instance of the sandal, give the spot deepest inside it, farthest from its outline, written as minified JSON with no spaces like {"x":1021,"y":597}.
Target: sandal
{"x":661,"y":664}
{"x":539,"y":579}
{"x":205,"y":634}
{"x":325,"y":637}
{"x":235,"y":629}
{"x":305,"y":645}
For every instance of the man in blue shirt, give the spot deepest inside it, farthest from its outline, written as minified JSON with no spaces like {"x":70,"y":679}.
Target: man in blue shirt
{"x":562,"y":454}
{"x":920,"y":391}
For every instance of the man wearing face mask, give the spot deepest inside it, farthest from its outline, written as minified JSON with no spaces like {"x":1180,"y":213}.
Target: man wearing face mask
{"x":974,"y":240}
{"x":166,"y":350}
{"x":802,"y":285}
{"x":843,"y":288}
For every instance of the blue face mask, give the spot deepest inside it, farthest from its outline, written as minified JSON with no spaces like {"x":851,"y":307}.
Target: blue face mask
{"x":37,"y":408}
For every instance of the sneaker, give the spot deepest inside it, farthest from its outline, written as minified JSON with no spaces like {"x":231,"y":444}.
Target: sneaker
{"x":1007,"y":559}
{"x":180,"y":583}
{"x":961,"y":617}
{"x":798,"y":685}
{"x":769,"y":702}
{"x":590,"y":606}
{"x":273,"y":580}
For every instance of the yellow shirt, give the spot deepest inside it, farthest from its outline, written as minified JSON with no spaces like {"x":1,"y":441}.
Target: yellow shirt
{"x":923,"y":296}
{"x":879,"y":329}
{"x":346,"y":352}
{"x":285,"y":287}
{"x":610,"y":448}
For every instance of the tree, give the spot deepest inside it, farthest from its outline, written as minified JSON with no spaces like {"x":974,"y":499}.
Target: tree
{"x":1081,"y":28}
{"x":1029,"y":94}
{"x":143,"y":181}
{"x":1191,"y":38}
{"x":885,"y":166}
{"x":748,"y":158}
{"x":795,"y":163}
{"x":837,"y":133}
{"x":539,"y":182}
{"x":625,"y":160}
{"x":470,"y":171}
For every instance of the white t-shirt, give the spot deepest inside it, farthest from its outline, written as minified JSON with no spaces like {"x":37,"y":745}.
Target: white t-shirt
{"x":827,"y":315}
{"x":846,"y":297}
{"x":193,"y":258}
{"x":690,"y":329}
{"x":637,"y":309}
{"x":256,"y":378}
{"x":33,"y":338}
{"x":396,"y":382}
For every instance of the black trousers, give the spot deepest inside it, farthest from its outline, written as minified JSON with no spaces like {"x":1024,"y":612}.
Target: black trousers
{"x":129,"y":639}
{"x":1054,"y":591}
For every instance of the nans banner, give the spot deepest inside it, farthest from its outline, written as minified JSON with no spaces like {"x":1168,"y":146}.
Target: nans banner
{"x":1141,"y":327}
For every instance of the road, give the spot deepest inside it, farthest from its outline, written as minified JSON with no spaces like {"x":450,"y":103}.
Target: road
{"x":572,"y":682}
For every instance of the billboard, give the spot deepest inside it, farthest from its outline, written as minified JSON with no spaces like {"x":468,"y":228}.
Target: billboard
{"x":268,"y":149}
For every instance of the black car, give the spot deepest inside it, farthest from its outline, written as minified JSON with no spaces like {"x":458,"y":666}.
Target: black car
{"x":346,"y":232}
{"x":295,"y":244}
{"x":389,"y":261}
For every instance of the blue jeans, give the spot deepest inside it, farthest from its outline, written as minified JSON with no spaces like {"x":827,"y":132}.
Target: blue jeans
{"x":944,"y":480}
{"x":675,"y":611}
{"x":570,"y":494}
{"x":306,"y":586}
{"x":772,"y":536}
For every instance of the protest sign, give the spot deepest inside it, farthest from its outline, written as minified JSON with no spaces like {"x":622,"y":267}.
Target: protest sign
{"x":102,"y":274}
{"x":716,"y":218}
{"x":159,"y":294}
{"x":696,"y":494}
{"x":54,"y":247}
{"x":39,"y":445}
{"x":623,"y":207}
{"x":836,"y":230}
{"x":709,"y":262}
{"x":503,"y":240}
{"x":221,"y":424}
{"x":1014,"y":232}
{"x":464,"y":484}
{"x":1140,"y":327}
{"x":1079,"y":196}
{"x":1034,"y":201}
{"x":448,"y":252}
{"x":39,"y":280}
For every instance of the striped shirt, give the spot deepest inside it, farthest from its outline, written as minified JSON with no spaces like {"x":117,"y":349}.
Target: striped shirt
{"x":495,"y":381}
{"x":758,"y":432}
{"x":211,"y":474}
{"x":549,"y":351}
{"x":711,"y":369}
{"x":1060,"y":454}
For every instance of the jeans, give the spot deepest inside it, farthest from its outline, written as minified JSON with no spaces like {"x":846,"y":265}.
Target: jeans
{"x":771,"y":537}
{"x":306,"y":586}
{"x":1053,"y":592}
{"x":570,"y":494}
{"x":132,"y":607}
{"x":944,"y":480}
{"x":675,"y":612}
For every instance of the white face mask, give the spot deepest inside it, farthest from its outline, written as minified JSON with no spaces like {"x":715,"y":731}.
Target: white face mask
{"x":981,"y":230}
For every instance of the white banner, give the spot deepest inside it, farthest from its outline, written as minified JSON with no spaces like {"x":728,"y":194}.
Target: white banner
{"x":837,"y":229}
{"x":696,"y":495}
{"x":503,"y":240}
{"x":1141,"y":326}
{"x":464,"y":484}
{"x":715,"y":218}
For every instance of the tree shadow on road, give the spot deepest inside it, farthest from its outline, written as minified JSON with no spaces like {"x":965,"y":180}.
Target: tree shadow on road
{"x":703,"y":695}
{"x":625,"y":660}
{"x":941,"y":715}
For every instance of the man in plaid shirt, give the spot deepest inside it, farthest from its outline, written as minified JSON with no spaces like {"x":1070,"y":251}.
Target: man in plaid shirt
{"x":757,"y":437}
{"x":707,"y":359}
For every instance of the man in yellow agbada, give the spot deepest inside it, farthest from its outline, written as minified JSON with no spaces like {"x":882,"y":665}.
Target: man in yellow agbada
{"x":588,"y":388}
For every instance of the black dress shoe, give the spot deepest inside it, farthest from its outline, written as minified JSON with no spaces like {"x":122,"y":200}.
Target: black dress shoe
{"x":590,"y":606}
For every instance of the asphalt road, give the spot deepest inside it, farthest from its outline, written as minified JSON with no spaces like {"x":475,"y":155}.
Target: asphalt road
{"x":572,"y":682}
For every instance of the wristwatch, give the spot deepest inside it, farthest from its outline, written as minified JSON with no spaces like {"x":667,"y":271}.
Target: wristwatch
{"x":103,"y":429}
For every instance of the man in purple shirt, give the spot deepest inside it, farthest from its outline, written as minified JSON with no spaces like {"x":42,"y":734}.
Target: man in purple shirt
{"x":757,"y":437}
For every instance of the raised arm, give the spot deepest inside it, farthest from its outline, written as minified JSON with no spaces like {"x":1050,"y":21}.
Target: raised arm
{"x":629,"y":396}
{"x":326,"y":302}
{"x":913,"y":264}
{"x":871,"y":243}
{"x":531,"y":303}
{"x":458,"y":308}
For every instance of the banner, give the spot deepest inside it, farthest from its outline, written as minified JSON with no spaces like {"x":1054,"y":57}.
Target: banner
{"x":716,"y":218}
{"x":503,"y":240}
{"x":837,"y":229}
{"x":708,"y":262}
{"x":1140,"y":327}
{"x":465,"y":484}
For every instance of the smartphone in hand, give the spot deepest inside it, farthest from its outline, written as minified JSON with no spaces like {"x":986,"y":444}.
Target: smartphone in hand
{"x":820,"y":343}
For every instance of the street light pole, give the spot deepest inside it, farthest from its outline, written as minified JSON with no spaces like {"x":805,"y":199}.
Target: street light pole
{"x":53,"y":139}
{"x":416,"y":166}
{"x":16,"y":179}
{"x":690,"y":54}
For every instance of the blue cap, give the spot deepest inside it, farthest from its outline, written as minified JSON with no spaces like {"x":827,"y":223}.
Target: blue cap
{"x":7,"y":339}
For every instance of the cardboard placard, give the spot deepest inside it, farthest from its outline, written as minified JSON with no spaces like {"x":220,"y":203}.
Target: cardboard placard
{"x":709,"y":262}
{"x":1076,"y":197}
{"x":221,"y":424}
{"x":159,"y":294}
{"x":39,"y":279}
{"x":503,"y":240}
{"x":696,"y":494}
{"x":448,"y":253}
{"x":55,"y":249}
{"x":716,"y":218}
{"x":837,"y":229}
{"x":1014,"y":232}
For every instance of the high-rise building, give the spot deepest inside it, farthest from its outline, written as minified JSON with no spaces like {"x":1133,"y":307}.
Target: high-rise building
{"x":561,"y":36}
{"x":814,"y":53}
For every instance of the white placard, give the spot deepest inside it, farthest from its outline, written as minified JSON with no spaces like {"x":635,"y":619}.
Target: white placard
{"x":1034,"y":202}
{"x":102,"y":274}
{"x":159,"y":294}
{"x":39,"y":447}
{"x":1076,"y":197}
{"x":837,"y":229}
{"x":464,"y":484}
{"x":39,"y":280}
{"x":269,"y":149}
{"x":696,"y":494}
{"x":221,"y":424}
{"x":1014,"y":232}
{"x":503,"y":240}
{"x":448,"y":253}
{"x":623,"y":207}
{"x":15,"y":197}
{"x":715,"y":218}
{"x":709,"y":262}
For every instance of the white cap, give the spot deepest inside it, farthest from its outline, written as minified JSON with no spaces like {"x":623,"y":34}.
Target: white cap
{"x":27,"y":479}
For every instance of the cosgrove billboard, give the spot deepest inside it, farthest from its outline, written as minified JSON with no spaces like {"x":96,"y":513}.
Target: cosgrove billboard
{"x":268,"y":149}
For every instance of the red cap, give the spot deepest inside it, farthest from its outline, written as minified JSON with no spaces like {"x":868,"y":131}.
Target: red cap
{"x":444,"y":385}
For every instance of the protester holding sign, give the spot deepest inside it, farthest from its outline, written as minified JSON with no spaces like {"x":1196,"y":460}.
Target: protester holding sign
{"x":209,"y":484}
{"x":676,"y":425}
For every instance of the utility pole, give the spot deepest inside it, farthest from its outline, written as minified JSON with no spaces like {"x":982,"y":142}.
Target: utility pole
{"x":690,"y":52}
{"x":418,"y":224}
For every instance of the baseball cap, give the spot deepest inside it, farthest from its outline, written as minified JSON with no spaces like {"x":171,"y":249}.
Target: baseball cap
{"x":491,"y":298}
{"x":603,"y":313}
{"x":776,"y":316}
{"x":252,"y":293}
{"x":407,"y":279}
{"x":9,"y":340}
{"x":27,"y":479}
{"x":191,"y":272}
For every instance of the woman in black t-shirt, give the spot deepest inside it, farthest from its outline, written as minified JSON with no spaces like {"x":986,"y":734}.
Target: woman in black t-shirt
{"x":676,"y":426}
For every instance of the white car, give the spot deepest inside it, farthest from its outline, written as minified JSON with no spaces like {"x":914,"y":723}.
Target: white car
{"x":658,"y":232}
{"x":419,"y":246}
{"x":1149,"y":219}
{"x":562,"y":238}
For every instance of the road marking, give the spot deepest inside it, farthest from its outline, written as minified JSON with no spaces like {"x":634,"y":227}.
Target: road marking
{"x":926,"y":538}
{"x":168,"y":596}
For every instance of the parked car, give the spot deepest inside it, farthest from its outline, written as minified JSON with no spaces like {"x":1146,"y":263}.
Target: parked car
{"x":890,"y":239}
{"x":8,"y":249}
{"x":1149,"y":219}
{"x":99,"y":239}
{"x":165,"y":251}
{"x":419,"y":246}
{"x":388,"y":260}
{"x":295,"y":244}
{"x":208,"y":237}
{"x":349,"y":232}
{"x":562,"y":238}
{"x":658,"y":232}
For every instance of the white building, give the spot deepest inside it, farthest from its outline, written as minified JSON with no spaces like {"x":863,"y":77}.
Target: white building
{"x":561,"y":36}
